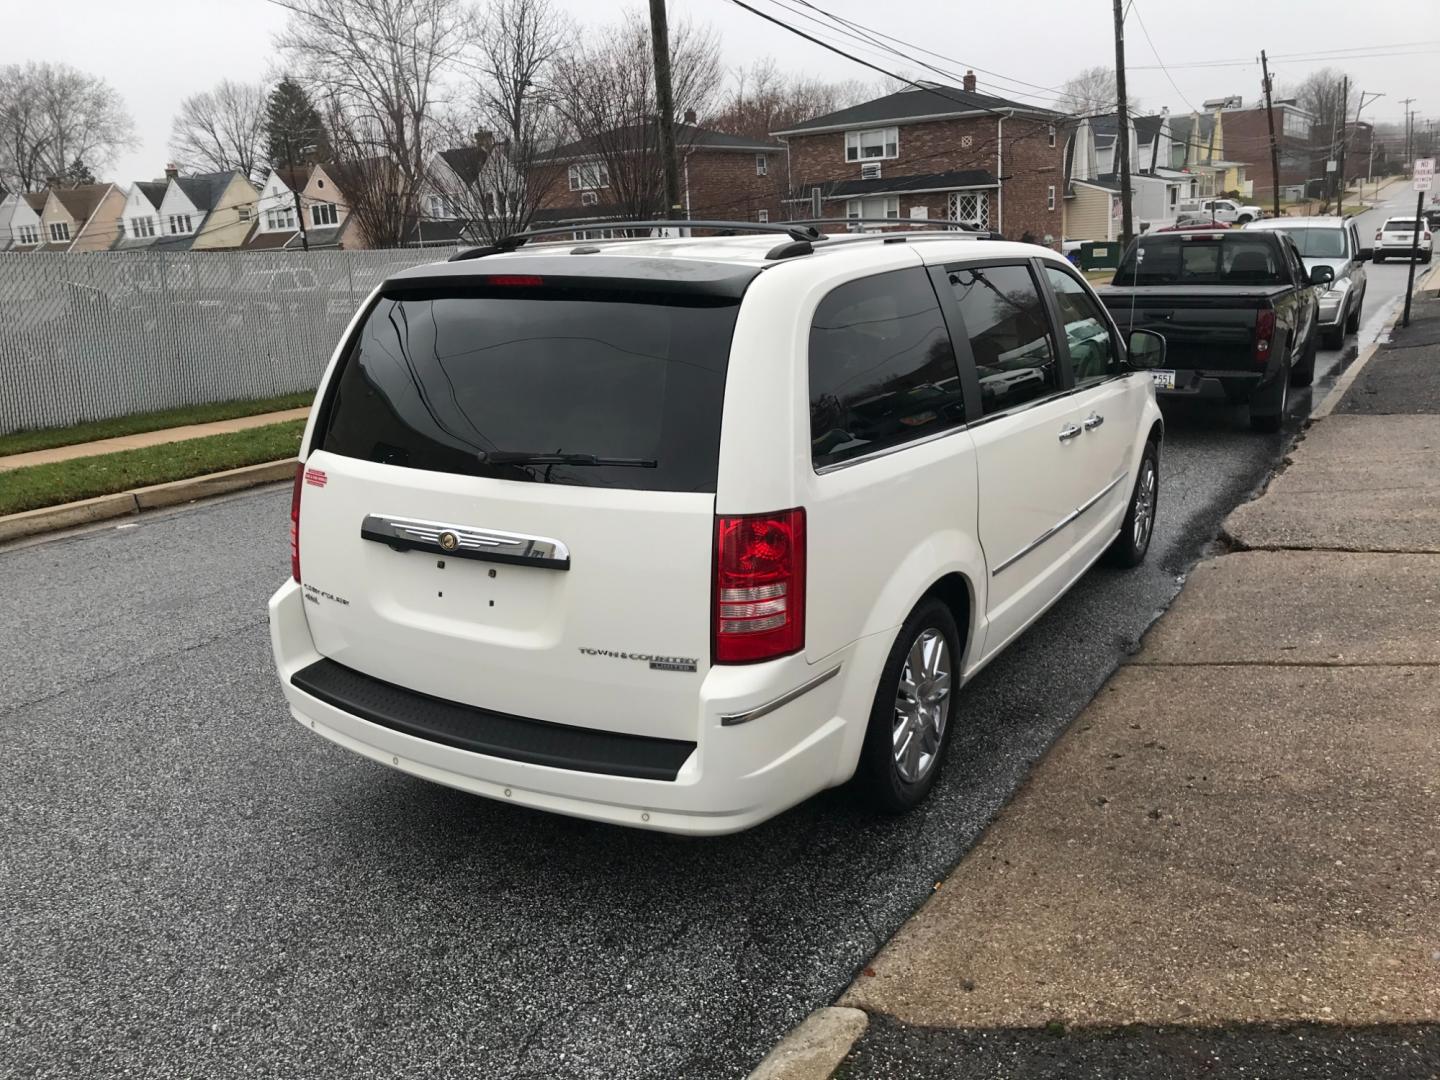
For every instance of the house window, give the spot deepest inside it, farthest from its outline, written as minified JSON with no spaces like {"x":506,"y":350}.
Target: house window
{"x":589,"y":198}
{"x":882,"y":206}
{"x":1050,"y":140}
{"x":762,"y":165}
{"x":592,"y":174}
{"x":179,"y":224}
{"x":971,"y":207}
{"x":59,"y":230}
{"x":322,"y":214}
{"x":763,"y":216}
{"x":282,"y":218}
{"x":242,"y":213}
{"x":438,"y":206}
{"x":29,"y":234}
{"x":1050,"y":198}
{"x":872,"y":144}
{"x":1296,"y":125}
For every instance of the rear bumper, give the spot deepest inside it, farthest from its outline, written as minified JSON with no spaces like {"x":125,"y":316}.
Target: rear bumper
{"x":737,"y":776}
{"x":1402,"y":250}
{"x":1211,"y":384}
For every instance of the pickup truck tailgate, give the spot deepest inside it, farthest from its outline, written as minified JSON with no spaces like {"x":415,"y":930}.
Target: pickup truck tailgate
{"x":1210,"y":328}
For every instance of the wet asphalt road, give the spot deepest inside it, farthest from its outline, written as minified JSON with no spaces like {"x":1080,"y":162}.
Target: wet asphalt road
{"x":194,"y":886}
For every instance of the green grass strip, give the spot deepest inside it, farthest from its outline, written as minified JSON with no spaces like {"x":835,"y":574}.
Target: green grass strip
{"x":21,"y":442}
{"x":104,"y":474}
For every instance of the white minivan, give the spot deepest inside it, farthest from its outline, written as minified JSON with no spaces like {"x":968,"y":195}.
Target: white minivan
{"x":675,"y":533}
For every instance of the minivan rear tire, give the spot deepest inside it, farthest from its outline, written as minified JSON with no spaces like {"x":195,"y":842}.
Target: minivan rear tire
{"x":880,"y":776}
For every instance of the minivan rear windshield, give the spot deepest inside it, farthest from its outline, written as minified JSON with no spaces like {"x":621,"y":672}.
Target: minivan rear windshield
{"x":1317,"y":243}
{"x":603,"y":386}
{"x":1234,"y":259}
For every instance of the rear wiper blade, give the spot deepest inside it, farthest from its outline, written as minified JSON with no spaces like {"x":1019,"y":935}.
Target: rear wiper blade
{"x":525,"y":457}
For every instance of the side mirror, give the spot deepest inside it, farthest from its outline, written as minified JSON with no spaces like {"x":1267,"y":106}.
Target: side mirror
{"x":1322,"y":274}
{"x":1366,"y":254}
{"x":1147,"y":349}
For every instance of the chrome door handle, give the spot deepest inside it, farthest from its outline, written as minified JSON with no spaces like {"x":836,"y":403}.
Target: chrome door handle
{"x":1093,"y":421}
{"x":1069,"y":431}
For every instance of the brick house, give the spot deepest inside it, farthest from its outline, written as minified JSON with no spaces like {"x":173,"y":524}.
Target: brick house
{"x":1247,"y":140}
{"x":934,"y":152}
{"x":722,"y":177}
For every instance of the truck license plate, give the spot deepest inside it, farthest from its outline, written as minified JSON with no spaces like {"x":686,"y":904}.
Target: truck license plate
{"x":1164,"y":380}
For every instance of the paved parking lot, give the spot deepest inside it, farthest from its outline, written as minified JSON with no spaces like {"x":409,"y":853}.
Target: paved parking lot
{"x":194,"y":886}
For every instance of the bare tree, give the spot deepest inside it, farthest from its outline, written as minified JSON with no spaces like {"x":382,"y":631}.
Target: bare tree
{"x":52,"y":116}
{"x":605,"y":91}
{"x":763,"y":99}
{"x":495,"y":173}
{"x":378,"y":66}
{"x":221,"y":129}
{"x":1092,"y":92}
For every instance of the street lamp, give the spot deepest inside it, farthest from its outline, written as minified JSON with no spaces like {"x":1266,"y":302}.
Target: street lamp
{"x":1370,"y":164}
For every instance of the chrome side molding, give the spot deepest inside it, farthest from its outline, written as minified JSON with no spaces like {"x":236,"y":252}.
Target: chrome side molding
{"x":731,"y":719}
{"x":465,"y":542}
{"x":1048,"y":533}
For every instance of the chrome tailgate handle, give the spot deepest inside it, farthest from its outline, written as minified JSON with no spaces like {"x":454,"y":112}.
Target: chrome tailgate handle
{"x":465,"y":542}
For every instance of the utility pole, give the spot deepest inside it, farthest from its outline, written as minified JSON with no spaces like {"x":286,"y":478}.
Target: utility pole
{"x":1274,"y":148}
{"x":299,"y":211}
{"x":660,"y":42}
{"x":1340,"y":163}
{"x":1407,"y":102}
{"x":1370,"y":164}
{"x":1122,"y":129}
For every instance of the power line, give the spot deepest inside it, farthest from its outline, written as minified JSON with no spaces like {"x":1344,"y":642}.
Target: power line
{"x":1156,"y":52}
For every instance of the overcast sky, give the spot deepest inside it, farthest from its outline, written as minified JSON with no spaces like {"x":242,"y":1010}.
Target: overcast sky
{"x":154,"y":58}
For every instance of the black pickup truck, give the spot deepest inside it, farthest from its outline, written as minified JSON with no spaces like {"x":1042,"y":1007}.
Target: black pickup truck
{"x":1237,"y":309}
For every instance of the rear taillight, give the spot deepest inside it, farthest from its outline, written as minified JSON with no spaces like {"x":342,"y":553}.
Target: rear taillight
{"x":1379,"y":233}
{"x":1425,"y":236}
{"x":1264,"y":331}
{"x":295,"y":521}
{"x":759,"y":586}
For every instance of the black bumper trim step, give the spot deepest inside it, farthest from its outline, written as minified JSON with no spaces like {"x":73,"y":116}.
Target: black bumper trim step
{"x":465,"y":727}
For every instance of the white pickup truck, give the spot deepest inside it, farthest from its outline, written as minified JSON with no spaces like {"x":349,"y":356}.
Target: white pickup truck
{"x":1226,"y":210}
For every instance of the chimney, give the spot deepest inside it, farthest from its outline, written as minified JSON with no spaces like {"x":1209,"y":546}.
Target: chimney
{"x":171,"y":172}
{"x":969,"y":82}
{"x":484,"y":139}
{"x":690,"y":117}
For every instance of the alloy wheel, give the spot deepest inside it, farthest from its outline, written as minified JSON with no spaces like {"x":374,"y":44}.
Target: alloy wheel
{"x":1144,"y":505}
{"x":922,"y":706}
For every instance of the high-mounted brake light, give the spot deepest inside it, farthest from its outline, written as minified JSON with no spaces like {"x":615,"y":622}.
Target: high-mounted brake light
{"x":1264,"y":331}
{"x":515,"y":280}
{"x":295,"y":521}
{"x":759,"y":604}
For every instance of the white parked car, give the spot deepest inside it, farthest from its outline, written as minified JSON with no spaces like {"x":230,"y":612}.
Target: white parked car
{"x":1332,"y":242}
{"x":1396,"y":239}
{"x":1227,"y":210}
{"x":676,"y":533}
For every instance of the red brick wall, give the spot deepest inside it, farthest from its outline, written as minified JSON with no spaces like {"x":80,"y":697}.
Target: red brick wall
{"x":1247,"y":139}
{"x":1029,"y":166}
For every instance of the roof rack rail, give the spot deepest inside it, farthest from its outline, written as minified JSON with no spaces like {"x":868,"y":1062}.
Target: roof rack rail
{"x":796,"y":231}
{"x":910,"y":225}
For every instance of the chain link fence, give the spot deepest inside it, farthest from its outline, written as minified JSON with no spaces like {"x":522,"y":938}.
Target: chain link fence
{"x":89,"y":337}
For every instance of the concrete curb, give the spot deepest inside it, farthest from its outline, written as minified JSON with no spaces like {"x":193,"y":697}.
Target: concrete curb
{"x":814,"y":1048}
{"x":125,"y":503}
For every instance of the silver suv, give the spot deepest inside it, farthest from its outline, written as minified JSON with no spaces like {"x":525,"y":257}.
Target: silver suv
{"x":1332,"y":242}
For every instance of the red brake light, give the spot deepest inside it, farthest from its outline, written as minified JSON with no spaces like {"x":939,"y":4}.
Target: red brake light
{"x":1264,"y":331}
{"x":515,"y":280}
{"x":1379,"y":233}
{"x":759,"y":605}
{"x":295,"y":521}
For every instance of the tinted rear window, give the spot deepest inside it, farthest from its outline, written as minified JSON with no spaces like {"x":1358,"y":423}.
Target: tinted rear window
{"x":1204,"y":260}
{"x":1318,"y":243}
{"x":435,"y":378}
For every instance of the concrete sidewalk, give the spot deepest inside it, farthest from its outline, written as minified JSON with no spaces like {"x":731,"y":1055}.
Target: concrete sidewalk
{"x":148,"y":438}
{"x":1230,"y":864}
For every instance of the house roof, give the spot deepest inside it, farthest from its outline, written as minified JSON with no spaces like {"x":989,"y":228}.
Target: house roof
{"x":466,"y":161}
{"x":895,"y":185}
{"x":81,"y":201}
{"x":267,"y":241}
{"x":443,"y":231}
{"x":295,"y":177}
{"x":687,"y":137}
{"x":205,"y":189}
{"x":910,"y":105}
{"x":327,"y":237}
{"x":174,"y":243}
{"x":36,"y":199}
{"x":153,"y":190}
{"x":1146,"y":127}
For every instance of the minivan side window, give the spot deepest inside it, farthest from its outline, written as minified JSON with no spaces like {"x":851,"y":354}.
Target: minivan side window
{"x":1009,"y":334}
{"x":882,"y":368}
{"x":1087,"y":330}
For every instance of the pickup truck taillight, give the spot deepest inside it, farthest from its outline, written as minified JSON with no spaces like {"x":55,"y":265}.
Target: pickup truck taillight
{"x":1379,"y":233}
{"x":759,"y":586}
{"x":295,"y":521}
{"x":1264,"y":331}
